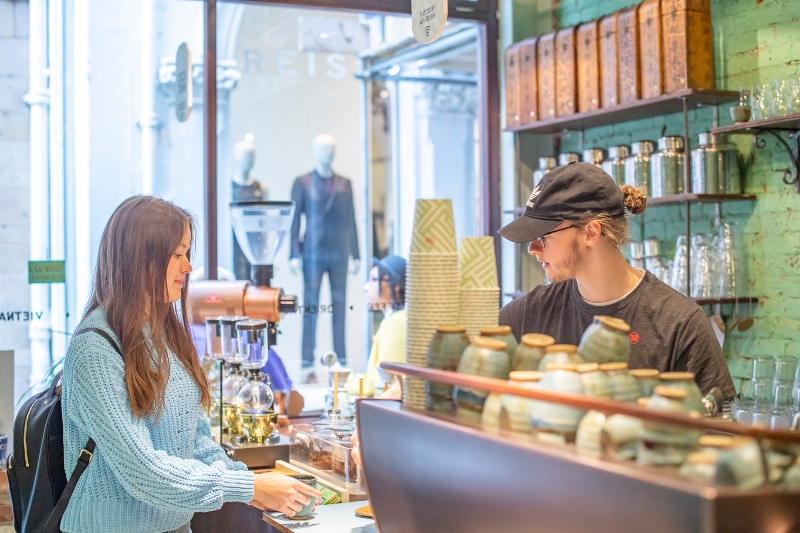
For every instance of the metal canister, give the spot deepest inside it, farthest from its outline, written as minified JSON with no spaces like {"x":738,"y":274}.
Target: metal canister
{"x":715,"y":166}
{"x":614,"y":166}
{"x":594,"y":156}
{"x":567,"y":158}
{"x":637,"y":166}
{"x":546,"y":164}
{"x":666,"y":167}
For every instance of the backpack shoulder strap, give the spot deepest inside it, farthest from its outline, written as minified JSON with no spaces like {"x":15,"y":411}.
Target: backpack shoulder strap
{"x":84,"y":457}
{"x":103,"y":334}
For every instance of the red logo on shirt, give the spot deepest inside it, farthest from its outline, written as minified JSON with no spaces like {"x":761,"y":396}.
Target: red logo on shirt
{"x":633,"y":337}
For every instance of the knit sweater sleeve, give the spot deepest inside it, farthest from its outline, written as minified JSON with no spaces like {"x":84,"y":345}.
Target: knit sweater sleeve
{"x":208,"y":452}
{"x":100,"y":405}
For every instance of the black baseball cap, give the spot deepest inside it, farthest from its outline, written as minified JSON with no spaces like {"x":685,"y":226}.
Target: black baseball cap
{"x":569,"y":192}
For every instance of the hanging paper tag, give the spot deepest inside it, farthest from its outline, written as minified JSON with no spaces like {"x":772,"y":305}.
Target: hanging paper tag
{"x":427,"y":19}
{"x":183,"y":83}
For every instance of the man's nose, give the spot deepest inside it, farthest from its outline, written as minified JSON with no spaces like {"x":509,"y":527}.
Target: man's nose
{"x":534,"y":247}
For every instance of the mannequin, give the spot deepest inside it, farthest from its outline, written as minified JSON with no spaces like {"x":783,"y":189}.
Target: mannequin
{"x":244,"y":188}
{"x":329,"y":244}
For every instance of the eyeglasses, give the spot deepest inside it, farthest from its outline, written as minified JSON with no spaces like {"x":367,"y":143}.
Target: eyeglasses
{"x":540,"y":240}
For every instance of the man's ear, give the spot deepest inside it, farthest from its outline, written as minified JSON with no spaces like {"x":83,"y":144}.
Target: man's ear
{"x":593,"y":233}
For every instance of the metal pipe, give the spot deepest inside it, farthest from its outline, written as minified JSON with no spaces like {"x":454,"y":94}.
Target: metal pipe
{"x":38,"y":98}
{"x":148,"y":119}
{"x":57,"y":150}
{"x":210,"y":135}
{"x":366,"y":145}
{"x":687,"y":186}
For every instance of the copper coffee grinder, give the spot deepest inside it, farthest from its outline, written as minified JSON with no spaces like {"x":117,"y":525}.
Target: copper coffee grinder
{"x":251,"y":311}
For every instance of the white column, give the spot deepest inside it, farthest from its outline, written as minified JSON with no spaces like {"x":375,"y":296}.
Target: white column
{"x":58,"y":222}
{"x":148,"y":119}
{"x":38,"y":98}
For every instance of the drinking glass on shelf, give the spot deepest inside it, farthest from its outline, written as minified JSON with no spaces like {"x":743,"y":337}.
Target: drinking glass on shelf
{"x":744,"y":96}
{"x":730,"y":261}
{"x":786,"y":369}
{"x":794,"y":95}
{"x":702,"y":267}
{"x":763,"y":367}
{"x":780,"y":97}
{"x":781,"y":418}
{"x":678,"y":275}
{"x":760,"y":108}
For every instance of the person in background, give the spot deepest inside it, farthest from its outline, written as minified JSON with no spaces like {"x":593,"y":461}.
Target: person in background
{"x":575,"y":223}
{"x":155,"y":463}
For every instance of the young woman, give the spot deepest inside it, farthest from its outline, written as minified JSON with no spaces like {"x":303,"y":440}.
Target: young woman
{"x":155,"y":463}
{"x":385,"y":291}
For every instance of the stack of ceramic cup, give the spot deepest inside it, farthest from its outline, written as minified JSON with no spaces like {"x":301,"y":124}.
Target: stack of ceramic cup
{"x":479,"y":294}
{"x":431,"y":287}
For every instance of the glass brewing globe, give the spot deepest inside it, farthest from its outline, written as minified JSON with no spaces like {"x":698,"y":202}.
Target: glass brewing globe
{"x":231,"y":387}
{"x":255,"y":398}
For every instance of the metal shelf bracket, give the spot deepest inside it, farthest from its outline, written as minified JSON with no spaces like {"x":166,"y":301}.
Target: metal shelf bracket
{"x":790,"y":175}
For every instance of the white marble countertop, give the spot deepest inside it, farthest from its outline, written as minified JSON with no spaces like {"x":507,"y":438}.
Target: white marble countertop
{"x":338,"y":518}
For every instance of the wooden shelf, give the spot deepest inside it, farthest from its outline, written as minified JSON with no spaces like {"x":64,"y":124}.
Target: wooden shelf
{"x":714,"y":301}
{"x":661,"y":105}
{"x":788,"y":123}
{"x":699,"y":198}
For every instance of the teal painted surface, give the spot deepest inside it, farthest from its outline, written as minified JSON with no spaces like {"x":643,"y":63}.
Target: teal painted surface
{"x":754,"y":41}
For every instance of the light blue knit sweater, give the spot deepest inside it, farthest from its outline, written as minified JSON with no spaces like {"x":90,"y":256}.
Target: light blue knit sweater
{"x":143,"y":478}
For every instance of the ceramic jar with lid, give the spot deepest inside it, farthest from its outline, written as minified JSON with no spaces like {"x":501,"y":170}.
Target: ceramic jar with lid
{"x":637,"y":166}
{"x":444,"y":353}
{"x":515,"y":412}
{"x":594,"y":156}
{"x":555,"y":419}
{"x":587,"y":439}
{"x":666,"y":444}
{"x":715,"y":166}
{"x":546,"y":164}
{"x":647,"y":378}
{"x":595,"y":382}
{"x":619,"y":438}
{"x":483,"y":357}
{"x":502,"y":333}
{"x":666,"y":167}
{"x":624,"y":387}
{"x":614,"y":166}
{"x":530,"y":351}
{"x":740,"y":465}
{"x":560,"y":353}
{"x":684,"y":380}
{"x":791,"y":480}
{"x":605,"y":341}
{"x":699,"y":466}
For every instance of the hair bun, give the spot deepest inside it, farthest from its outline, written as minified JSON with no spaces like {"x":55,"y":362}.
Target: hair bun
{"x":634,"y":199}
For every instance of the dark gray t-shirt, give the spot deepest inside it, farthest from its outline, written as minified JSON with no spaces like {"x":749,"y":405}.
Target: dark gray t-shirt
{"x":669,"y":332}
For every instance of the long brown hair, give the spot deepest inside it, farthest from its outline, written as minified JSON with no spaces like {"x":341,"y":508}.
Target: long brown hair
{"x":130,"y":286}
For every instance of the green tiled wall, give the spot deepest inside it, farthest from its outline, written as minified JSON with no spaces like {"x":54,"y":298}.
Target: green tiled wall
{"x":754,"y":41}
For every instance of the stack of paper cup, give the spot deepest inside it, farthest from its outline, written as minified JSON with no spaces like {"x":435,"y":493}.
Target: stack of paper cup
{"x":431,"y":287}
{"x":479,"y":293}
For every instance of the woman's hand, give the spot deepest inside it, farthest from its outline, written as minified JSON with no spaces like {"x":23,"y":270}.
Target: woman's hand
{"x":281,"y":493}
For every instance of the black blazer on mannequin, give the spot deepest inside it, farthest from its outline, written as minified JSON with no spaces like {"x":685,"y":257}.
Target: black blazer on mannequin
{"x":330,"y":234}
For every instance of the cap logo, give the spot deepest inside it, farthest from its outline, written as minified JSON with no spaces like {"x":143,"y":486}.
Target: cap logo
{"x":536,"y":192}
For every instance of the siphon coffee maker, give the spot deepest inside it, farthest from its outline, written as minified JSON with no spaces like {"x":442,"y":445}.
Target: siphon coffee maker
{"x":256,"y":418}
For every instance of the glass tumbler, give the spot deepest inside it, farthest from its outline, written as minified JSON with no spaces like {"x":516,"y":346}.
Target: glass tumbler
{"x":678,"y":275}
{"x":763,"y":367}
{"x":760,"y":109}
{"x":780,"y":98}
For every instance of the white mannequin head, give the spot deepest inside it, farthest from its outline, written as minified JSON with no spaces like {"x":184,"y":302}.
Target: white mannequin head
{"x":324,"y":149}
{"x":244,"y":154}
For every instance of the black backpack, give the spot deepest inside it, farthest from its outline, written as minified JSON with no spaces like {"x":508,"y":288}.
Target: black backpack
{"x":36,"y":478}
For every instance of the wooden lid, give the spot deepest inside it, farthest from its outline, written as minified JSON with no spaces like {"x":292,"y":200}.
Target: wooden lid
{"x":642,"y":402}
{"x":676,"y":376}
{"x":496,"y":330}
{"x":489,"y":343}
{"x":717,"y":441}
{"x":645,"y":373}
{"x":451,"y":329}
{"x":537,"y":340}
{"x":671,"y":392}
{"x":525,"y":375}
{"x":614,"y":323}
{"x":566,"y":348}
{"x":588,"y":367}
{"x":613,"y":366}
{"x":701,"y":458}
{"x":561,"y":366}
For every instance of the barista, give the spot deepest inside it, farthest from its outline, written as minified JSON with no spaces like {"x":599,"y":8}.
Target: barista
{"x":575,"y":223}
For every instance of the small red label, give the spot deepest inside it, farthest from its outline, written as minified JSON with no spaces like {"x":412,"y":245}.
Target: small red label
{"x":213,"y":299}
{"x":633,"y":337}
